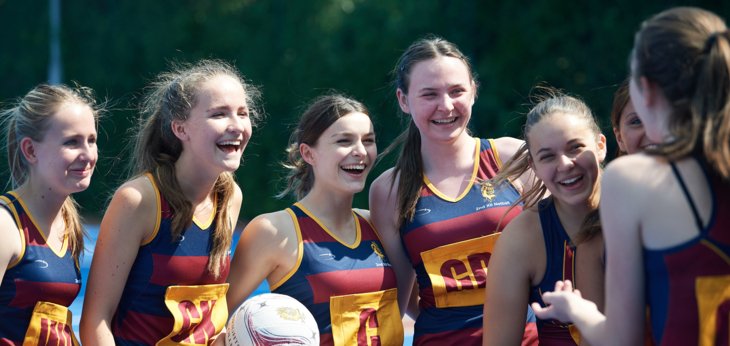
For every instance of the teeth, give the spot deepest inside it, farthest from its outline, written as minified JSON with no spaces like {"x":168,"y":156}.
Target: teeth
{"x":354,"y":167}
{"x":570,"y":181}
{"x":444,"y":121}
{"x":230,"y":143}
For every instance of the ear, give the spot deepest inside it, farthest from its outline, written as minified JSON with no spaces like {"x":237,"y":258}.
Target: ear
{"x":601,"y":144}
{"x":402,"y":101}
{"x":28,"y":150}
{"x":307,"y":153}
{"x":179,"y":130}
{"x":619,"y":139}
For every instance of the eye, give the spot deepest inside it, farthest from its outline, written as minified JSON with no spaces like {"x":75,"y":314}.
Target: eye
{"x":71,"y":142}
{"x":429,"y":94}
{"x":576,"y":147}
{"x":545,"y":157}
{"x":92,"y":140}
{"x":457,"y":92}
{"x":343,"y":141}
{"x":369,"y":140}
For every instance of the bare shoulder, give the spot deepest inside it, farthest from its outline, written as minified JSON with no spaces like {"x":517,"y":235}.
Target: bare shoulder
{"x":384,"y":185}
{"x":636,"y":174}
{"x":9,"y":238}
{"x":524,"y":229}
{"x":275,"y":225}
{"x":133,"y":209}
{"x":138,"y":192}
{"x":507,"y":147}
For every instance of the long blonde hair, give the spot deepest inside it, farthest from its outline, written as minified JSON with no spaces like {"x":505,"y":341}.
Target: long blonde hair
{"x":30,"y":117}
{"x":171,"y":97}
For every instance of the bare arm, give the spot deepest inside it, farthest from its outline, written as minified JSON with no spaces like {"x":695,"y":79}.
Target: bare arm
{"x":383,"y":213}
{"x":10,"y":243}
{"x":268,"y":248}
{"x":625,"y":305}
{"x":511,"y":268}
{"x":623,"y":323}
{"x":129,"y":219}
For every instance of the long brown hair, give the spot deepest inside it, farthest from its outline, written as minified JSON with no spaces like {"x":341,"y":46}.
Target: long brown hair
{"x":171,"y":97}
{"x":621,"y":99}
{"x":322,"y":112}
{"x":30,"y":117}
{"x":549,"y":101}
{"x":409,"y":166}
{"x":686,"y":52}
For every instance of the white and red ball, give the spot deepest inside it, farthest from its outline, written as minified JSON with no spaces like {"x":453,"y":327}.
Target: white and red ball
{"x":272,"y":319}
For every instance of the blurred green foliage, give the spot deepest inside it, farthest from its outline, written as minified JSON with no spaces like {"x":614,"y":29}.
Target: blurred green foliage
{"x":296,"y":50}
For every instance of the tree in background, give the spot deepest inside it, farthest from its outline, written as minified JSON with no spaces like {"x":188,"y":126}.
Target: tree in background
{"x":297,"y":49}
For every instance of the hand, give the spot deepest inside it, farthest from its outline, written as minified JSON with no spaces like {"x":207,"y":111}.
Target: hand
{"x":564,"y":304}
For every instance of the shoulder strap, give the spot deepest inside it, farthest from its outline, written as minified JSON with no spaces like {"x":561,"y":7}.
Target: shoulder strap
{"x":698,"y":220}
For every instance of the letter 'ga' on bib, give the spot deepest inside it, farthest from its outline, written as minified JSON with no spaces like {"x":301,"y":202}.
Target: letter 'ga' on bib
{"x":458,"y":271}
{"x":366,"y":319}
{"x":50,"y":324}
{"x":200,"y":313}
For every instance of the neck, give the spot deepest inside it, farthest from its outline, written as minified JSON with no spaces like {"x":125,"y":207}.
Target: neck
{"x":457,"y":154}
{"x":335,"y":209}
{"x":572,"y":216}
{"x":196,"y":184}
{"x":44,"y":203}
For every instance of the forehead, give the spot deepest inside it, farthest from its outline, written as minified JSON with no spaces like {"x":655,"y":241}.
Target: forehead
{"x":439,"y":71}
{"x":557,"y":129}
{"x":221,"y":89}
{"x":71,"y":114}
{"x":354,"y":122}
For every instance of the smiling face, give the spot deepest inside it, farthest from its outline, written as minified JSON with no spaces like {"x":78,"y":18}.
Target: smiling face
{"x":566,"y":155}
{"x":630,"y":134}
{"x":440,"y":95}
{"x":218,"y":127}
{"x":343,"y":154}
{"x":66,"y":156}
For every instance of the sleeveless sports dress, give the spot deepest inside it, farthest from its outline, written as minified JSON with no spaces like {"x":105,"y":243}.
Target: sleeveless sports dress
{"x":560,"y":265}
{"x":449,"y":243}
{"x":38,"y":287}
{"x":350,"y":289}
{"x":688,"y":285}
{"x":170,"y":297}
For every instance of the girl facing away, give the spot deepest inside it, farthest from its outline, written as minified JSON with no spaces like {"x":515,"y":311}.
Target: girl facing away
{"x":549,"y":240}
{"x":162,"y":257}
{"x":52,"y":153}
{"x":320,"y":250}
{"x":664,"y":213}
{"x":436,"y":211}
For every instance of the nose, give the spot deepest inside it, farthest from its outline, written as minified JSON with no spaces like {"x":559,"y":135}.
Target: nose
{"x":446,"y":103}
{"x":566,"y":162}
{"x":359,"y":149}
{"x":236,"y":125}
{"x":89,"y":152}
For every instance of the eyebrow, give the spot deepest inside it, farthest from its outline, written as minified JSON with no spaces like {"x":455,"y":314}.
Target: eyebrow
{"x":347,"y":133}
{"x":574,"y":140}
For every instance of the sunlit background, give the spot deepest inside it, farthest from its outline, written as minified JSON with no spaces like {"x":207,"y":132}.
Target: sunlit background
{"x":295,"y":50}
